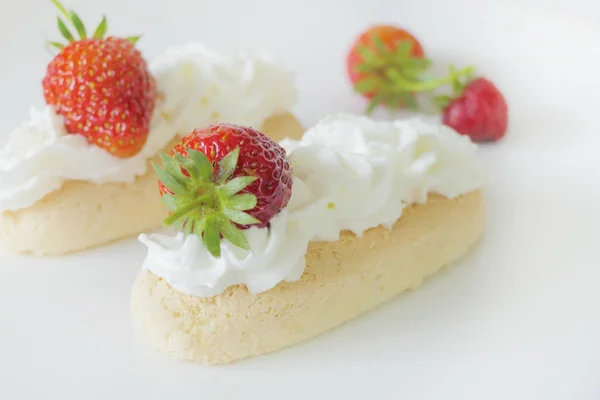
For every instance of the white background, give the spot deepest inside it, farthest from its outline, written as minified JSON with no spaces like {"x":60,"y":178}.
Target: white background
{"x":518,"y":319}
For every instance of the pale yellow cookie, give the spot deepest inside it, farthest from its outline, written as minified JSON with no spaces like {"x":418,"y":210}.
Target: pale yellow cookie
{"x":82,"y":215}
{"x":343,"y":279}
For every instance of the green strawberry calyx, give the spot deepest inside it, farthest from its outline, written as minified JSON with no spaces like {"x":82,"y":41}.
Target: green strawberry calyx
{"x":394,"y":76}
{"x":207,"y":204}
{"x":73,"y":18}
{"x":458,"y":80}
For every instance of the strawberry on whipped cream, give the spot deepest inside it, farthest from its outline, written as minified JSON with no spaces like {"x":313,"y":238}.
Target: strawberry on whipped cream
{"x":350,"y":173}
{"x":197,"y":87}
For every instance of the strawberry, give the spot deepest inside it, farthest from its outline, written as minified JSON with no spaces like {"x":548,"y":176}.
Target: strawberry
{"x":478,"y":110}
{"x":376,"y":56}
{"x":102,"y":87}
{"x":222,"y":179}
{"x":387,"y":65}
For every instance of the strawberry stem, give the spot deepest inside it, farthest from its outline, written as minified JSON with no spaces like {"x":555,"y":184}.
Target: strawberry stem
{"x":62,"y":9}
{"x":394,"y":76}
{"x":455,"y":78}
{"x":405,"y":85}
{"x":73,"y":18}
{"x":204,"y":202}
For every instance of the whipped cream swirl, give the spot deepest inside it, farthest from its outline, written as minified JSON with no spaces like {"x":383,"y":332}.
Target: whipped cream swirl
{"x":350,"y":173}
{"x":197,"y":87}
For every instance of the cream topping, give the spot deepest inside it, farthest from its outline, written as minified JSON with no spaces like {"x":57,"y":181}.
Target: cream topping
{"x":198,"y":87}
{"x":350,"y":173}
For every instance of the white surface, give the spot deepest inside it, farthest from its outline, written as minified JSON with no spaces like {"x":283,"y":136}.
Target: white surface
{"x":519,"y":319}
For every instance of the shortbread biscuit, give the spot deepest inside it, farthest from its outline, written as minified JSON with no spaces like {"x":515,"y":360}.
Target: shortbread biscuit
{"x":343,"y":279}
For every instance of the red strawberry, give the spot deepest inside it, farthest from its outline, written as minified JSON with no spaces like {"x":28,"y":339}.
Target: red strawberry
{"x":386,"y":64}
{"x":224,"y":178}
{"x":380,"y":54}
{"x":102,"y":87}
{"x":478,"y":110}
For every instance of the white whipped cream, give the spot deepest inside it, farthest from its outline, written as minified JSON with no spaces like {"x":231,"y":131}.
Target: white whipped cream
{"x":197,"y":87}
{"x":350,"y":173}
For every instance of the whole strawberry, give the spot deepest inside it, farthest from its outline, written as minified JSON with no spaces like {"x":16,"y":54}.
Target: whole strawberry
{"x":478,"y":110}
{"x":387,"y":65}
{"x":102,"y":87}
{"x":373,"y":56}
{"x":222,"y":179}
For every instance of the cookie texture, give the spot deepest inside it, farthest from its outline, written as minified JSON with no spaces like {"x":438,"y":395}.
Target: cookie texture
{"x":343,"y":279}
